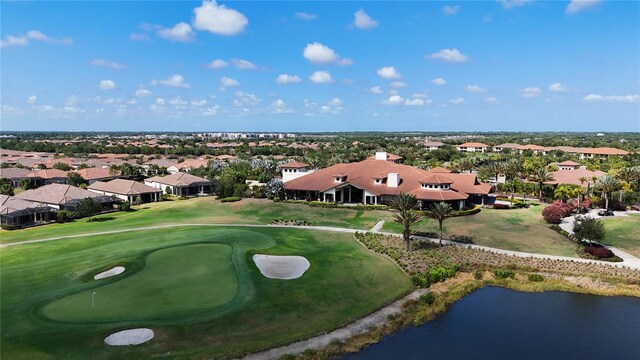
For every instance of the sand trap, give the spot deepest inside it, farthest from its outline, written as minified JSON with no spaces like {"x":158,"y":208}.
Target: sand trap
{"x":109,"y":273}
{"x":281,"y":267}
{"x":129,"y":337}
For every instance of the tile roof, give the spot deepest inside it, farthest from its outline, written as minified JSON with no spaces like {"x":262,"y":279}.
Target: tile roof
{"x":56,"y":194}
{"x":49,"y":174}
{"x":13,"y":173}
{"x":123,"y":187}
{"x":294,"y":165}
{"x":11,"y":204}
{"x":95,"y":173}
{"x":473,"y":144}
{"x":569,"y":163}
{"x":439,"y":169}
{"x":573,"y":176}
{"x":435,"y":178}
{"x":178,"y":179}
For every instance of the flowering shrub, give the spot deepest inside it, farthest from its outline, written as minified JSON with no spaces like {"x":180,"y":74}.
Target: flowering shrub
{"x":598,"y":251}
{"x":554,"y":213}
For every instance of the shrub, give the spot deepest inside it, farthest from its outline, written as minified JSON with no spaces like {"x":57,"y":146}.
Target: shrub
{"x":428,"y":298}
{"x":501,"y":206}
{"x":478,"y":275}
{"x":231,"y":199}
{"x":9,"y":227}
{"x":599,"y":252}
{"x":63,"y":216}
{"x":463,"y":239}
{"x":536,"y":277}
{"x":588,"y":228}
{"x":434,"y":275}
{"x":125,"y":206}
{"x":473,"y":211}
{"x":503,"y":274}
{"x":554,"y":213}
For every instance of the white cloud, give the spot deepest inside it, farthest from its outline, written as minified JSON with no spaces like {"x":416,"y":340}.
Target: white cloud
{"x":283,"y":79}
{"x":492,"y":100}
{"x":414,"y":102}
{"x":173,"y":81}
{"x":181,"y":32}
{"x":457,"y":101}
{"x":72,"y":101}
{"x":388,"y":72}
{"x":449,"y":55}
{"x":531,"y":92}
{"x":107,"y":63}
{"x":107,"y":85}
{"x":557,"y":87}
{"x":279,"y":107}
{"x":198,"y":102}
{"x":439,"y":81}
{"x":243,"y":64}
{"x":178,"y":102}
{"x":398,"y":84}
{"x":335,"y":102}
{"x":245,"y":99}
{"x":218,"y":19}
{"x":318,"y":53}
{"x":305,"y":16}
{"x":143,"y":93}
{"x":451,"y":10}
{"x":394,"y":100}
{"x":579,"y":5}
{"x":362,"y":20}
{"x":508,"y":4}
{"x":612,"y":98}
{"x":32,"y":99}
{"x":226,"y":82}
{"x":475,"y":89}
{"x":35,"y":35}
{"x":217,"y":64}
{"x":211,"y":111}
{"x":321,"y":77}
{"x":376,"y":90}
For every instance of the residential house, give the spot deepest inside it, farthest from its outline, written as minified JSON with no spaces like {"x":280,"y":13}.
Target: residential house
{"x":127,"y":190}
{"x":293,"y":170}
{"x":65,"y":197}
{"x":48,"y":176}
{"x":17,"y":213}
{"x":573,"y":177}
{"x":181,"y":184}
{"x":433,"y":145}
{"x":91,"y":175}
{"x":472,"y":147}
{"x":517,"y":148}
{"x":15,"y":175}
{"x":568,"y":165}
{"x":188,"y":165}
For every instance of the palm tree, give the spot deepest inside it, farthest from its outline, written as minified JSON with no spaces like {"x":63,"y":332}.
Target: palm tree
{"x":496,"y":168}
{"x":541,"y":175}
{"x":608,"y":184}
{"x":440,"y":211}
{"x":405,"y":204}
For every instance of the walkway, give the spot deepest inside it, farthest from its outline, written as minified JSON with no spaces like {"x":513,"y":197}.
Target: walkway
{"x":628,"y":259}
{"x":355,"y":328}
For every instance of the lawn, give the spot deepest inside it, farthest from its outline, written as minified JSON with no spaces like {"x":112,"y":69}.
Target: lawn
{"x":623,"y":232}
{"x":201,"y":211}
{"x":55,"y":279}
{"x":518,"y":230}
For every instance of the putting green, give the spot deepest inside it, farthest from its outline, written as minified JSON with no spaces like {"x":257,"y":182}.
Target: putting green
{"x":181,"y":281}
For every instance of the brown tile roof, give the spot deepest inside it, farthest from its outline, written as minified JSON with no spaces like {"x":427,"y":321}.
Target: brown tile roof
{"x":294,"y":165}
{"x":95,"y":173}
{"x":534,"y":147}
{"x":390,"y":157}
{"x":435,"y":179}
{"x":14,"y":173}
{"x":604,"y":151}
{"x":56,"y":194}
{"x":510,"y":146}
{"x":178,"y":179}
{"x":573,"y":176}
{"x":437,"y":195}
{"x":439,"y":169}
{"x":11,"y":204}
{"x":569,"y":163}
{"x":191,"y":164}
{"x":49,"y":174}
{"x":161,"y":162}
{"x":123,"y":187}
{"x":473,"y":144}
{"x":433,"y":143}
{"x":361,"y":174}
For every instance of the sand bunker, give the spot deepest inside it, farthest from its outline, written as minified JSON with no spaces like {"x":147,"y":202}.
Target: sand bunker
{"x":129,"y":337}
{"x":109,"y":273}
{"x":281,"y":267}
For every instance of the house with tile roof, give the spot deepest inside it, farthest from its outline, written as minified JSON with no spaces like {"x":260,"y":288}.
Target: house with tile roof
{"x":18,"y":213}
{"x":378,"y":181}
{"x":127,"y":190}
{"x":65,"y":197}
{"x":472,"y":147}
{"x":181,"y":184}
{"x":293,"y":170}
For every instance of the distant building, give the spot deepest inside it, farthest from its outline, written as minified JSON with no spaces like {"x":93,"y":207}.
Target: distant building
{"x":517,"y":148}
{"x":568,"y":165}
{"x":127,"y":190}
{"x":293,"y":170}
{"x":15,"y":175}
{"x":91,"y":175}
{"x":433,"y":145}
{"x":472,"y":147}
{"x":48,"y":176}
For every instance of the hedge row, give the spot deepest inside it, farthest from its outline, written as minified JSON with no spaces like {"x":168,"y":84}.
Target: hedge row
{"x":332,"y":205}
{"x":231,"y":199}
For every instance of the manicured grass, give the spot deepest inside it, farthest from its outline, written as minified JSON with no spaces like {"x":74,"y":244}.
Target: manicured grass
{"x":175,"y":283}
{"x":344,"y":282}
{"x":623,"y":232}
{"x":517,"y":230}
{"x":202,"y":211}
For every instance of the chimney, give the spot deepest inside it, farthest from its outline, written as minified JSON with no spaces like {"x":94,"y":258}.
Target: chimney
{"x":381,"y":155}
{"x":393,"y":180}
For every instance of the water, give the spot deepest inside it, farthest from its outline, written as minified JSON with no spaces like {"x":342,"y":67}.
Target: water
{"x":497,"y":323}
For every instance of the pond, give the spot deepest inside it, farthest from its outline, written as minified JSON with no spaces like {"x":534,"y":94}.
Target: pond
{"x":498,"y":323}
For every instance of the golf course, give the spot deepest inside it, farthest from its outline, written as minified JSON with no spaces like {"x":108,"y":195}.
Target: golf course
{"x":196,"y":287}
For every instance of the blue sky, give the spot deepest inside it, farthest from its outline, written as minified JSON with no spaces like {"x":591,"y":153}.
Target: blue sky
{"x":321,"y":66}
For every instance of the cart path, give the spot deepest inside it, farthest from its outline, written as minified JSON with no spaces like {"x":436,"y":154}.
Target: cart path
{"x":629,"y":261}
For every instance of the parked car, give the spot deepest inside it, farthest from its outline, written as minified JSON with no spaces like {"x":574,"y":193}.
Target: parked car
{"x":605,"y":212}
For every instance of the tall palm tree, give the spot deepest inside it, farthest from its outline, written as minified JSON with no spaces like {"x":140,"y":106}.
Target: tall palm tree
{"x":607,"y":185}
{"x":541,"y":175}
{"x":440,"y":211}
{"x":496,"y":168}
{"x":582,"y":181}
{"x":404,"y":204}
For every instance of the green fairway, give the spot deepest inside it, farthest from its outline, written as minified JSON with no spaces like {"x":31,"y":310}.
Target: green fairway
{"x":202,"y":211}
{"x":177,"y":282}
{"x":55,"y":279}
{"x":623,"y":232}
{"x":517,"y":230}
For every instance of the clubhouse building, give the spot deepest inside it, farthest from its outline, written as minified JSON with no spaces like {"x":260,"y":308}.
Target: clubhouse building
{"x":378,"y":179}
